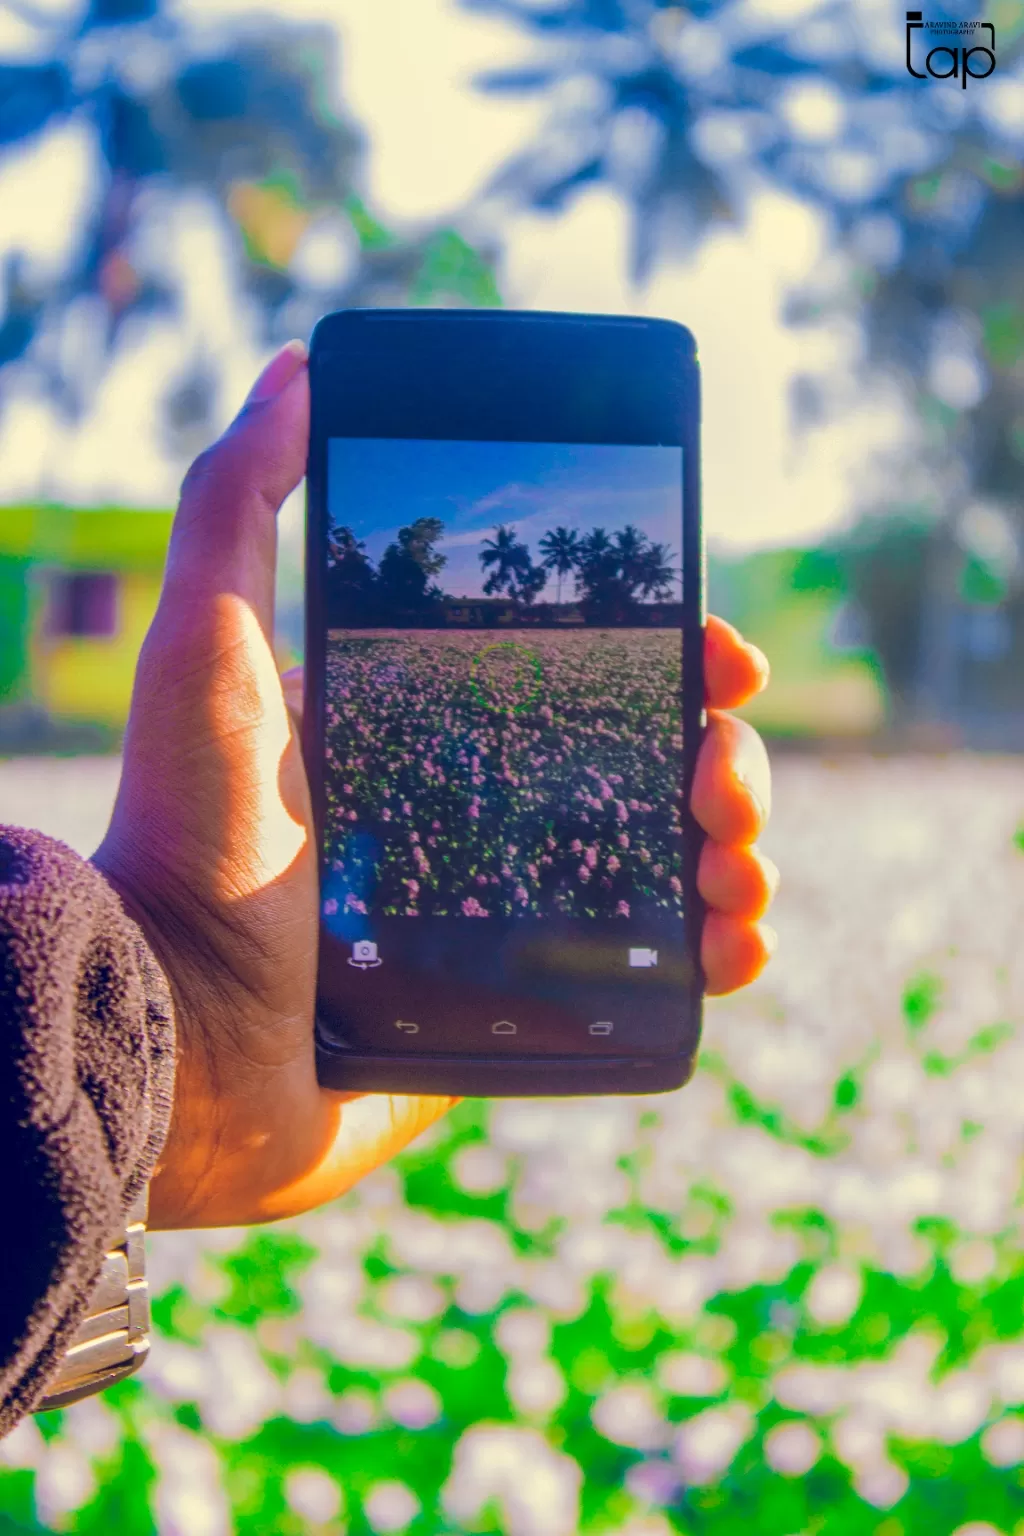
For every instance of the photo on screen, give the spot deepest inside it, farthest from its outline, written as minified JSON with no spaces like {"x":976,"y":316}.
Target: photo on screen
{"x":503,"y":680}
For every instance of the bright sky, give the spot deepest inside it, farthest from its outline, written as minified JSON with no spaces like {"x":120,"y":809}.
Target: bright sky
{"x":406,"y":72}
{"x":376,"y":485}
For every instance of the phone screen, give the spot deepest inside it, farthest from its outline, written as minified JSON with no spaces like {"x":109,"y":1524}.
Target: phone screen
{"x":503,"y":773}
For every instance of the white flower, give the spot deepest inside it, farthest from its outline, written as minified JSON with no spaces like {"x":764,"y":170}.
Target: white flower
{"x":536,"y":1488}
{"x":522,"y":1331}
{"x":355,"y":1412}
{"x":882,"y":1484}
{"x":414,"y":1404}
{"x":833,"y":1296}
{"x":64,"y":1482}
{"x":190,"y":1497}
{"x":480,"y":1169}
{"x":792,"y":1448}
{"x":688,"y":1375}
{"x":706,"y":1445}
{"x":313,"y":1494}
{"x":411,"y":1298}
{"x":306,"y":1398}
{"x":628,"y":1415}
{"x":1003,"y":1442}
{"x":391,"y":1507}
{"x":815,"y":1389}
{"x":535,"y":1386}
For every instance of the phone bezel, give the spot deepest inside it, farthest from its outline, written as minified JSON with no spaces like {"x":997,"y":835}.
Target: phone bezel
{"x":565,"y":378}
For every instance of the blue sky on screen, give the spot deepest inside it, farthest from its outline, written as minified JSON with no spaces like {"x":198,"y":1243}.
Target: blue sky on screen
{"x":378,"y":485}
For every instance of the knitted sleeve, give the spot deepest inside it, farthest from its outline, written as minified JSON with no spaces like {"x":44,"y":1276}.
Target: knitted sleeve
{"x":86,"y":1087}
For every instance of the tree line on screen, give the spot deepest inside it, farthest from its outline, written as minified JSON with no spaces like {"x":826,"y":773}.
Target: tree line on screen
{"x":609,"y":575}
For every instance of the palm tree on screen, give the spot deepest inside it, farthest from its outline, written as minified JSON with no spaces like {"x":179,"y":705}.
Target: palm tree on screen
{"x":630,"y":551}
{"x":657,"y":575}
{"x":560,"y":549}
{"x":511,"y":566}
{"x":502,"y":556}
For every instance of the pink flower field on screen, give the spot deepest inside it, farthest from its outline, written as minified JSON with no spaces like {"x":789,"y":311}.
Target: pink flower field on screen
{"x":572,"y":806}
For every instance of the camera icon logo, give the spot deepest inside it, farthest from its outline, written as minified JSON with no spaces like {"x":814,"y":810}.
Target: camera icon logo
{"x":364,"y":955}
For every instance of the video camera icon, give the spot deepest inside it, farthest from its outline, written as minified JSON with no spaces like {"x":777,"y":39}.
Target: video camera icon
{"x":364,"y":955}
{"x":642,"y":958}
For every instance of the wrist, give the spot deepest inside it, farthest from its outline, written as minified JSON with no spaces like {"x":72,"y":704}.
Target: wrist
{"x":245,"y":1155}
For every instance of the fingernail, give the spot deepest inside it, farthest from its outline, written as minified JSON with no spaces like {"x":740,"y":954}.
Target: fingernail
{"x":760,"y":661}
{"x":279,"y":372}
{"x":769,"y":938}
{"x":772,"y":874}
{"x":759,"y":805}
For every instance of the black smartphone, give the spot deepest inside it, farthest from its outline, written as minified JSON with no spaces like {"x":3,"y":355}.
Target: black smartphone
{"x":504,"y":700}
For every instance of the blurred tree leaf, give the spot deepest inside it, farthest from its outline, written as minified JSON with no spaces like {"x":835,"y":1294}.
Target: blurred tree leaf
{"x":31,"y":95}
{"x":115,"y":13}
{"x":250,"y":123}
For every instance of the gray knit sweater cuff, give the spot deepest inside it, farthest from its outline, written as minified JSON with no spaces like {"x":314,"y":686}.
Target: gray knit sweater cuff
{"x":86,"y":1088}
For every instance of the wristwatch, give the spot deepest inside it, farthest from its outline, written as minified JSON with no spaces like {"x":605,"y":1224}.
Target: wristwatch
{"x":113,"y":1339}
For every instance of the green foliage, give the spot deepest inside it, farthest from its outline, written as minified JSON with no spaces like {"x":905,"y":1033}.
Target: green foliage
{"x":17,"y":1504}
{"x":921,"y":999}
{"x":883,"y":560}
{"x":427,"y":1179}
{"x":748,"y":1110}
{"x":123,"y":1500}
{"x":449,"y":266}
{"x":1003,"y":331}
{"x":372,"y":235}
{"x":981,"y":1043}
{"x":981,"y":584}
{"x":847,"y":1091}
{"x":178,"y":1315}
{"x":261,"y":1274}
{"x":14,"y":627}
{"x":819,"y":570}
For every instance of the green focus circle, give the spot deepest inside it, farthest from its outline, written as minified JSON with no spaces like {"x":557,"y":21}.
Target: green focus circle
{"x":506,"y":676}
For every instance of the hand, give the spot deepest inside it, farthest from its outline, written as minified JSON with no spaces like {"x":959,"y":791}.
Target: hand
{"x":211,"y":848}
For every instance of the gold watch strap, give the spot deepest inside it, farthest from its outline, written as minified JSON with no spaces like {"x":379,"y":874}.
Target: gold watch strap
{"x":113,"y":1339}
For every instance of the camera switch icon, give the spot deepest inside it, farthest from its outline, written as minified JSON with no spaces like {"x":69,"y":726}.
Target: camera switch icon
{"x":364,"y":955}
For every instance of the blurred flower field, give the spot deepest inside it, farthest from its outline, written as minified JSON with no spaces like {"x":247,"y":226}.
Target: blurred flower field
{"x":788,"y":1300}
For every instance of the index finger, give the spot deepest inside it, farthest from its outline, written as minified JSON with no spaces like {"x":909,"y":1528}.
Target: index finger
{"x":734,"y":670}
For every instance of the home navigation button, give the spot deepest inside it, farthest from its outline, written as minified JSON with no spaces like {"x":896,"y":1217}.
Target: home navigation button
{"x":503,"y":1027}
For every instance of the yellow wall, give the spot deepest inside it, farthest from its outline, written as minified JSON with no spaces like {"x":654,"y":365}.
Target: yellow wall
{"x":85,"y":679}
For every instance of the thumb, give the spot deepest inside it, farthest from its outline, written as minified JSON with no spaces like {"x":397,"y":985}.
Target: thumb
{"x":224,"y":538}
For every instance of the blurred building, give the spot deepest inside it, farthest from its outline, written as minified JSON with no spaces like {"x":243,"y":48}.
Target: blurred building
{"x":78,"y":589}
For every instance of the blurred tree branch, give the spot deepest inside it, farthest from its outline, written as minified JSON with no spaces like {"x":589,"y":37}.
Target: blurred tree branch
{"x":244,"y":117}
